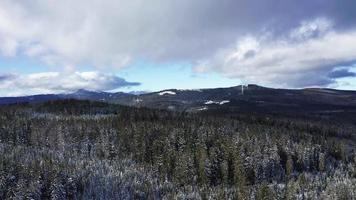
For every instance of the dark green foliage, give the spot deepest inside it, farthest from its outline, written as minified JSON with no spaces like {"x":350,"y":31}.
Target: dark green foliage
{"x":86,"y":150}
{"x":264,"y":193}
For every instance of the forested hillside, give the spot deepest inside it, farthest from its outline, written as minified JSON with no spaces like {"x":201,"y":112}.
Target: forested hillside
{"x":71,"y":149}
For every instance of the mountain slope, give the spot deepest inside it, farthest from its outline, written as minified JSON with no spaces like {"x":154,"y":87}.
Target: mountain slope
{"x":79,"y":95}
{"x":318,"y":102}
{"x":252,"y":94}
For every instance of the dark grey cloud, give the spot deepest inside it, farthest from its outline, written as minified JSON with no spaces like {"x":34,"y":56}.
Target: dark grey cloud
{"x":4,"y":77}
{"x":341,"y":73}
{"x":343,"y":12}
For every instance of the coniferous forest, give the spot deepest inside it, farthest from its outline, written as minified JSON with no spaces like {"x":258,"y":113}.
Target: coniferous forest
{"x":71,"y":149}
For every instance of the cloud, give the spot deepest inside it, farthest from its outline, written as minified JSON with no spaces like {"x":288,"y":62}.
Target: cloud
{"x":341,"y":73}
{"x":308,"y":56}
{"x":111,"y":34}
{"x":4,"y":77}
{"x":56,"y":82}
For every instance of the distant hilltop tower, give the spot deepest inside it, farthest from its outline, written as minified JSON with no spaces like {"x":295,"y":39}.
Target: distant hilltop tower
{"x":242,"y":88}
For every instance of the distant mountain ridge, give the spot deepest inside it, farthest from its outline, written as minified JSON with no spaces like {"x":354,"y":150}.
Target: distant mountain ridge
{"x":249,"y":98}
{"x":80,"y":94}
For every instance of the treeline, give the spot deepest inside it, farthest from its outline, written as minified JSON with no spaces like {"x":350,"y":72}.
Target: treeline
{"x":85,"y":150}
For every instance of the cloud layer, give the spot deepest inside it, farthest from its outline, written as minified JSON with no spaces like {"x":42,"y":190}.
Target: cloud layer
{"x":55,"y":82}
{"x":286,"y":43}
{"x":309,"y":55}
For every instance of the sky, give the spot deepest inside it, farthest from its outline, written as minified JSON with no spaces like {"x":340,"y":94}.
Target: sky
{"x":50,"y":46}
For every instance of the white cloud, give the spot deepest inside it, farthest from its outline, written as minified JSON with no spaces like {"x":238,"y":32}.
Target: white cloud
{"x":56,"y":82}
{"x":304,"y":58}
{"x":313,"y":28}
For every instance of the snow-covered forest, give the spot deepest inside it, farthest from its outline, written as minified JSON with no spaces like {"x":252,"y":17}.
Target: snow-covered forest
{"x":83,"y":150}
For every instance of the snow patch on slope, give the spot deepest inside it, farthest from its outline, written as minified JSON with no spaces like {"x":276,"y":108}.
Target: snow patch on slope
{"x":223,"y":102}
{"x":202,"y":108}
{"x":216,"y":102}
{"x":191,"y":90}
{"x":209,"y":102}
{"x":137,"y":100}
{"x":167,"y":92}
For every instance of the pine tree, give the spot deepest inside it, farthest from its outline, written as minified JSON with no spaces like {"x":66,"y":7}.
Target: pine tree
{"x":321,"y":162}
{"x":264,"y":193}
{"x":239,"y":177}
{"x":289,"y":166}
{"x":200,"y":166}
